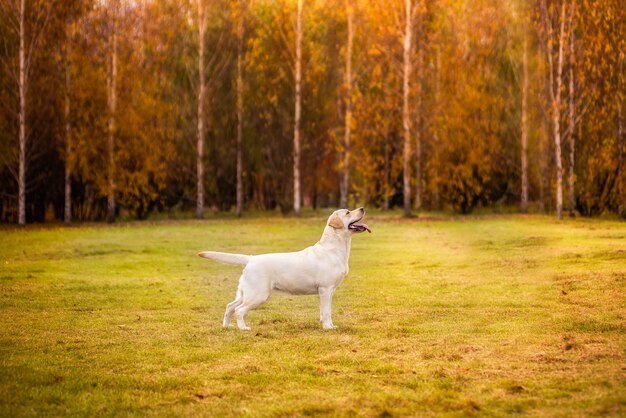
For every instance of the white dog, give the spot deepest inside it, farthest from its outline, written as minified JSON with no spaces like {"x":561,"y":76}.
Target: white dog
{"x":316,"y":269}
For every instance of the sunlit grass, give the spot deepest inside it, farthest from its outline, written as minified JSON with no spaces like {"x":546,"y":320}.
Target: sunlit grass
{"x":487,"y":315}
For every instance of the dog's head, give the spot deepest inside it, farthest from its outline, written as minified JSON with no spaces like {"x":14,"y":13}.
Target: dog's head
{"x":348,"y":220}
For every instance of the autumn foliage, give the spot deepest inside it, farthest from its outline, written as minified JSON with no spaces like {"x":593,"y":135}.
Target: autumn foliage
{"x":465,"y":104}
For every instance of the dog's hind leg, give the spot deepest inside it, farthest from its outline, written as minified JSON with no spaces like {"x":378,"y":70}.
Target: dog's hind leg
{"x":240,"y":312}
{"x":230,"y":309}
{"x":249,"y":303}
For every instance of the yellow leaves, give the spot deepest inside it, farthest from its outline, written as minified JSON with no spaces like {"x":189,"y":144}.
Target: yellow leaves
{"x":470,"y":103}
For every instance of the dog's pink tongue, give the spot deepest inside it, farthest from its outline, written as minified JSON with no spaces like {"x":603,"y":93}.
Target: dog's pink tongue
{"x":362,"y":227}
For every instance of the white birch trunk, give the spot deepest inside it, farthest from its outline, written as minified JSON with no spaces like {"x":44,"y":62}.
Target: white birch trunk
{"x":21,"y":181}
{"x":621,"y":187}
{"x":201,"y":88}
{"x":386,"y":172}
{"x":296,"y":130}
{"x":544,"y":177}
{"x":406,"y":189}
{"x":572,"y":115}
{"x":345,"y":171}
{"x":620,"y":146}
{"x":524,"y":133}
{"x":555,"y":93}
{"x":556,"y":106}
{"x":386,"y":168}
{"x":240,"y":108}
{"x":435,"y":128}
{"x":112,"y":104}
{"x":418,"y":130}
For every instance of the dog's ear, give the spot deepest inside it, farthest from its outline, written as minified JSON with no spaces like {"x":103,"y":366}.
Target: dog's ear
{"x":335,"y":222}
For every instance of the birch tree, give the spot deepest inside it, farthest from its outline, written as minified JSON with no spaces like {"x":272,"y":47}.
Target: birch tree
{"x":524,"y":126}
{"x":621,"y":131}
{"x":572,"y":112}
{"x":556,"y":81}
{"x":297,"y":111}
{"x":240,"y":58}
{"x":28,"y":26}
{"x":406,"y":121}
{"x":418,"y":127}
{"x":386,"y":132}
{"x":344,"y":185}
{"x":621,"y":140}
{"x":200,"y":132}
{"x":435,"y":129}
{"x":111,"y":105}
{"x":620,"y":30}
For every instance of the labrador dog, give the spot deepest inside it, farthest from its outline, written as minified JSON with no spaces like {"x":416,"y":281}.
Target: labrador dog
{"x":318,"y":269}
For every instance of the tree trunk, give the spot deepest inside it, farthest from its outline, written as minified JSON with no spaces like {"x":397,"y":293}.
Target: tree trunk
{"x":67,"y":215}
{"x":240,"y":108}
{"x":386,"y":168}
{"x":21,"y":182}
{"x":572,"y":115}
{"x":201,"y":88}
{"x":543,"y":164}
{"x":386,"y":172}
{"x":406,"y":167}
{"x":345,"y":170}
{"x":418,"y":130}
{"x":555,"y":92}
{"x":557,"y":120}
{"x":621,"y":187}
{"x":296,"y":130}
{"x":524,"y":134}
{"x":112,"y":103}
{"x":435,"y":128}
{"x":620,"y":145}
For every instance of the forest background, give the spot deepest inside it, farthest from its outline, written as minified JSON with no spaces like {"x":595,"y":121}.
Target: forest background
{"x":128,"y":108}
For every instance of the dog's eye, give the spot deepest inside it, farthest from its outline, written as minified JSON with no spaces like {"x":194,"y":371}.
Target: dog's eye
{"x":347,"y":212}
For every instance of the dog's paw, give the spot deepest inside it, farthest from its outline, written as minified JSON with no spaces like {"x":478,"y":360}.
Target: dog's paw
{"x":245,"y":328}
{"x":329,"y":326}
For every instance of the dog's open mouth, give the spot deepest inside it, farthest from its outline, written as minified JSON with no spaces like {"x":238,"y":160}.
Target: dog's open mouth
{"x":359,"y":227}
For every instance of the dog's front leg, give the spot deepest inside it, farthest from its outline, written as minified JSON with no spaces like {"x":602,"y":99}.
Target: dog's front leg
{"x":326,"y":297}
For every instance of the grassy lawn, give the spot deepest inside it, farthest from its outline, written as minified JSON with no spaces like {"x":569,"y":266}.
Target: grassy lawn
{"x":492,"y":315}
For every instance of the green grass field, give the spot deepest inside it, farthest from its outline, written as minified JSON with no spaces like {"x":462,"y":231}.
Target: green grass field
{"x":492,"y":315}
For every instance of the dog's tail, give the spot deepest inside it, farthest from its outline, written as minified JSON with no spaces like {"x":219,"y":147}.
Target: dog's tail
{"x":225,"y":257}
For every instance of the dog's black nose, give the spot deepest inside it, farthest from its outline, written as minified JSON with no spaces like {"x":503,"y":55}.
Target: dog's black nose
{"x":361,"y":209}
